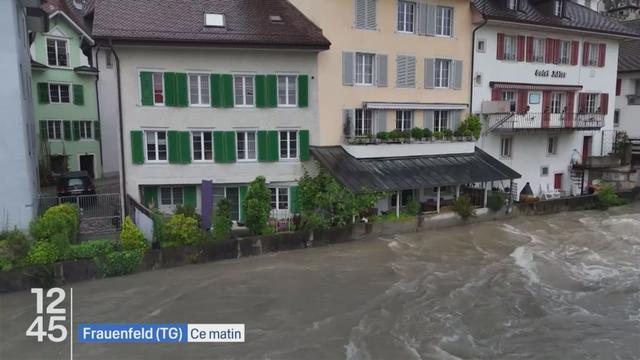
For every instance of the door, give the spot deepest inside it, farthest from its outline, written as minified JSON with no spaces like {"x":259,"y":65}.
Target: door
{"x":586,"y":148}
{"x":86,"y":164}
{"x":557,"y":182}
{"x":535,"y":109}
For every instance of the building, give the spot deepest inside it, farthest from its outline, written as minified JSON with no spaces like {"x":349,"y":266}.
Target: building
{"x":627,"y":110}
{"x":394,"y":66}
{"x":543,"y":76}
{"x":18,"y":204}
{"x":211,"y":99}
{"x":623,"y":9}
{"x":64,"y":89}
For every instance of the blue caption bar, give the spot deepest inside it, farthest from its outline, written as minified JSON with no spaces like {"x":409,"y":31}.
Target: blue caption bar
{"x":132,"y":333}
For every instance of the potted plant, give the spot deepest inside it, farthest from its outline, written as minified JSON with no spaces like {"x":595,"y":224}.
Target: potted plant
{"x":417,"y":133}
{"x":447,"y":134}
{"x":438,"y":135}
{"x":427,"y":134}
{"x":383,"y":136}
{"x":395,"y":135}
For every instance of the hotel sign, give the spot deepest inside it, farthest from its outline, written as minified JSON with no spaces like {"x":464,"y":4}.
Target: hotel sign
{"x":554,"y":74}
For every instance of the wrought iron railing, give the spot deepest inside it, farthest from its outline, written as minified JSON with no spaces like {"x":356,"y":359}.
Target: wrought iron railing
{"x":527,"y":121}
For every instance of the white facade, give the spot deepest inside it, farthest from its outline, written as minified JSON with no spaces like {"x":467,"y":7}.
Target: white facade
{"x":108,"y":111}
{"x":18,"y":197}
{"x":628,"y":113}
{"x":529,"y":149}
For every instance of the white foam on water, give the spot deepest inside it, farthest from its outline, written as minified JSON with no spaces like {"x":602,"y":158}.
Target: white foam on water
{"x":523,"y":257}
{"x":443,"y":355}
{"x":514,"y":230}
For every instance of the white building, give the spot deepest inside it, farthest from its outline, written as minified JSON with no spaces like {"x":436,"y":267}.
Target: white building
{"x":543,"y":76}
{"x":628,"y":86}
{"x":18,"y":197}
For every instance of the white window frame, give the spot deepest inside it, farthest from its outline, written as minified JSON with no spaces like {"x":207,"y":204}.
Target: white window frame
{"x":404,"y":20}
{"x":153,"y":87}
{"x":200,"y":94}
{"x":277,"y":203}
{"x":246,"y":157}
{"x":84,"y":127}
{"x":481,"y":45}
{"x":510,"y":47}
{"x":538,"y":50}
{"x":438,"y":120}
{"x":543,"y":169}
{"x":593,"y":54}
{"x":442,"y":67}
{"x":59,"y":85}
{"x":60,"y":132}
{"x":558,"y":7}
{"x":157,"y":159}
{"x":565,"y":46}
{"x":363,"y":117}
{"x":201,"y":145}
{"x":616,"y":118}
{"x":244,"y":103}
{"x":288,"y":149}
{"x":510,"y":96}
{"x":287,"y":90}
{"x":593,"y":102}
{"x":441,"y":20}
{"x":404,"y":118}
{"x":66,"y":47}
{"x":552,"y":145}
{"x":172,"y":190}
{"x":506,"y":143}
{"x":512,"y":4}
{"x":558,"y":101}
{"x":362,"y":76}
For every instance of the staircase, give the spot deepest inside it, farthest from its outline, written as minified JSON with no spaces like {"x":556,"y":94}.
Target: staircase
{"x":635,"y":152}
{"x":494,"y":124}
{"x":577,"y":179}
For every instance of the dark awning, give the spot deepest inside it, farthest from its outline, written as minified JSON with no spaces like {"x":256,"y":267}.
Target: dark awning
{"x":415,"y":172}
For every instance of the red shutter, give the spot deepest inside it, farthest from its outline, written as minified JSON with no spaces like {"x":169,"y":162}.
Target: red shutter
{"x":500,"y":50}
{"x":546,"y":102}
{"x":556,"y":51}
{"x":548,"y":51}
{"x":585,"y":54}
{"x":574,"y":52}
{"x":582,"y":103}
{"x":496,"y":95}
{"x":618,"y":87}
{"x":604,"y":103}
{"x":568,"y":117}
{"x":529,"y":49}
{"x":520,"y":48}
{"x":602,"y":51}
{"x":521,"y":103}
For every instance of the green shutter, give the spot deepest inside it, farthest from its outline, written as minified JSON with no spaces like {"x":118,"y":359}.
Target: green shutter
{"x":43,"y":93}
{"x":182,"y":94}
{"x":261,"y":91}
{"x":76,"y":130}
{"x":78,"y":94}
{"x":218,"y":147}
{"x":174,"y":146}
{"x":96,"y":130}
{"x":263,"y":152}
{"x":66,"y":128}
{"x":304,"y":145}
{"x":185,"y":147}
{"x":272,"y":146}
{"x":243,"y":196}
{"x":303,"y":91}
{"x":230,"y":146}
{"x":170,"y":89}
{"x":44,"y":132}
{"x":227,"y":85}
{"x":216,"y":90}
{"x":150,"y":196}
{"x":137,"y":147}
{"x":272,"y":91}
{"x":146,"y":88}
{"x":294,"y":200}
{"x":189,"y":193}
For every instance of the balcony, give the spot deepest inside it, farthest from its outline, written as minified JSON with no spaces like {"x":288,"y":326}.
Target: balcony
{"x":368,"y":147}
{"x":512,"y":122}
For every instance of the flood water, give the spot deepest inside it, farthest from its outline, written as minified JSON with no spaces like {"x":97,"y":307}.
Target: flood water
{"x":565,"y":286}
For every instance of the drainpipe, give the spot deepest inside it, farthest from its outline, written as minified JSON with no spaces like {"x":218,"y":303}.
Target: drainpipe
{"x":98,"y":48}
{"x":473,"y":55}
{"x":123,"y":177}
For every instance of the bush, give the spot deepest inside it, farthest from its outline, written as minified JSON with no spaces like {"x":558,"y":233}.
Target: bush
{"x":61,"y":221}
{"x":222,"y":220}
{"x":395,"y":135}
{"x":257,"y":205}
{"x":607,"y":198}
{"x":462,"y":206}
{"x":447,"y":133}
{"x":413,"y":207}
{"x":382,"y":135}
{"x":181,"y":230}
{"x":417,"y":133}
{"x":438,"y":135}
{"x":42,"y":253}
{"x":495,"y":202}
{"x":131,"y":237}
{"x":427,"y":133}
{"x":120,"y":262}
{"x":471,"y":126}
{"x":14,"y":247}
{"x":90,"y":249}
{"x":188,"y":210}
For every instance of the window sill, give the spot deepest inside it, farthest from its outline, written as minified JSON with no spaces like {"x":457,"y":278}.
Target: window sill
{"x":443,"y":36}
{"x":287,"y":106}
{"x":158,"y":162}
{"x":199,"y":105}
{"x":244,"y":106}
{"x":203,"y":162}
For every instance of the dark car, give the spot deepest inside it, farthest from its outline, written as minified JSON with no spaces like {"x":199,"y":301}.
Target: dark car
{"x":75,"y":183}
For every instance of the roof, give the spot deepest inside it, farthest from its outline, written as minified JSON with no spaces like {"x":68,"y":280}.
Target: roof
{"x":37,"y":65}
{"x":577,"y":17}
{"x":629,"y":53}
{"x":247,"y":23}
{"x":66,"y":7}
{"x":412,"y":172}
{"x":86,"y":70}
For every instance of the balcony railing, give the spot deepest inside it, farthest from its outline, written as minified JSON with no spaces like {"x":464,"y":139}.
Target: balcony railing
{"x":542,"y":121}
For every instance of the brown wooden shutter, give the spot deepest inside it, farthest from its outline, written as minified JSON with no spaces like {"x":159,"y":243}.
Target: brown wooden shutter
{"x":568,"y":119}
{"x":556,"y":51}
{"x":529,"y":49}
{"x":604,"y":103}
{"x":602,"y":51}
{"x":585,"y":54}
{"x":574,"y":52}
{"x":496,"y":95}
{"x":548,"y":51}
{"x":500,"y":50}
{"x":520,"y":48}
{"x":618,"y":87}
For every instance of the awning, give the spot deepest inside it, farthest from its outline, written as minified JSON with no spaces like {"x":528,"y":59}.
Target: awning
{"x":412,"y":106}
{"x":539,"y":87}
{"x":416,"y":172}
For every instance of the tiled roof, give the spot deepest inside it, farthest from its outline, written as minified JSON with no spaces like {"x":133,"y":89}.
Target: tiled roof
{"x":576,"y":17}
{"x":247,"y":22}
{"x":629,"y":56}
{"x":66,"y":6}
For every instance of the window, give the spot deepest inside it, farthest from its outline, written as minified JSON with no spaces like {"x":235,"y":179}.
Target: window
{"x":364,"y":68}
{"x":366,"y":14}
{"x":108,"y":59}
{"x":587,"y":3}
{"x":85,"y":129}
{"x":512,"y":4}
{"x":565,"y":52}
{"x":59,"y":94}
{"x":404,"y":119}
{"x":54,"y":130}
{"x":156,"y":146}
{"x":510,"y":96}
{"x":406,"y":16}
{"x":246,"y":143}
{"x":557,"y":103}
{"x":593,"y":54}
{"x":158,"y":88}
{"x":442,"y":73}
{"x":363,"y":122}
{"x":279,"y":198}
{"x":544,"y":171}
{"x":558,"y":7}
{"x":57,"y":54}
{"x":288,"y":144}
{"x":478,"y":79}
{"x":405,"y":71}
{"x":243,"y":85}
{"x":616,"y":118}
{"x":538,"y":50}
{"x":592,"y":103}
{"x":552,"y":145}
{"x":440,"y":120}
{"x":505,"y":147}
{"x":199,"y":89}
{"x":443,"y":20}
{"x":287,"y":90}
{"x":233,"y":195}
{"x":481,"y":46}
{"x":509,"y":47}
{"x":202,"y":145}
{"x":171,"y":195}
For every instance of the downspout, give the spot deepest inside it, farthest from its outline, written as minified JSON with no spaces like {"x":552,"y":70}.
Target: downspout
{"x":123,"y":177}
{"x":473,"y":55}
{"x":98,"y":48}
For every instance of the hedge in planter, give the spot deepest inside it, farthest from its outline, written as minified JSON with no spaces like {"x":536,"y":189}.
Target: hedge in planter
{"x":181,"y":230}
{"x":120,"y":262}
{"x":131,"y":237}
{"x":61,"y":221}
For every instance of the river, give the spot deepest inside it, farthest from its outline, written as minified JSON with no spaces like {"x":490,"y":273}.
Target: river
{"x":564,"y":286}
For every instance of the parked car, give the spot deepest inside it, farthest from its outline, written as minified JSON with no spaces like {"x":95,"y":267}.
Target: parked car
{"x":75,"y":183}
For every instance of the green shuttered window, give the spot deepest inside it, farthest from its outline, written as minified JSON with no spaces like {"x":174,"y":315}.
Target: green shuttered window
{"x":261,"y":91}
{"x":224,"y":146}
{"x":242,"y":198}
{"x":303,"y":91}
{"x":267,"y":146}
{"x":150,"y":196}
{"x":304,"y":145}
{"x":78,"y":94}
{"x":96,"y":130}
{"x":176,"y":93}
{"x":76,"y":130}
{"x":67,"y":130}
{"x":146,"y":88}
{"x":190,"y":195}
{"x":294,"y":200}
{"x":221,"y":90}
{"x":179,"y":147}
{"x":43,"y":93}
{"x":137,"y":147}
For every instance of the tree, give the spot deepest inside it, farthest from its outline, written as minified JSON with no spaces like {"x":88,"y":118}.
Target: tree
{"x":471,"y":126}
{"x":257,"y":205}
{"x":222,"y":220}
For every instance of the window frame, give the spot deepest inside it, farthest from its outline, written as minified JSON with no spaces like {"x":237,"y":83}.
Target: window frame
{"x":157,"y":159}
{"x":558,"y":102}
{"x":275,"y":196}
{"x":511,"y":97}
{"x":594,"y":54}
{"x":441,"y":20}
{"x":438,"y":119}
{"x":200,"y":93}
{"x":202,"y":145}
{"x":402,"y":24}
{"x":512,"y":4}
{"x":66,"y":47}
{"x":592,"y":103}
{"x":153,"y":87}
{"x":289,"y":149}
{"x":288,"y":90}
{"x":509,"y":141}
{"x":439,"y":71}
{"x":403,"y":119}
{"x":552,"y":144}
{"x":565,"y":45}
{"x":483,"y":48}
{"x":172,"y":191}
{"x":558,"y":8}
{"x":84,"y":125}
{"x":538,"y":46}
{"x":510,"y":47}
{"x":364,"y":56}
{"x":244,"y":103}
{"x":60,"y":85}
{"x":366,"y":117}
{"x":246,"y":147}
{"x":616,"y":118}
{"x":60,"y":131}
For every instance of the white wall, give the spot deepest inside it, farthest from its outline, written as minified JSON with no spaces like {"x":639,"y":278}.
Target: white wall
{"x":629,"y":114}
{"x":224,"y":61}
{"x":19,"y":187}
{"x":109,"y":116}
